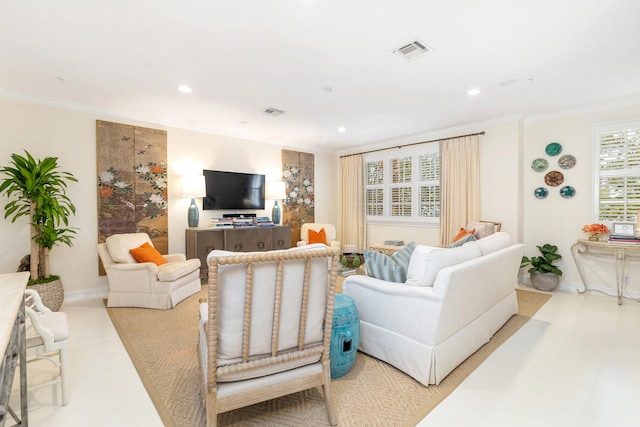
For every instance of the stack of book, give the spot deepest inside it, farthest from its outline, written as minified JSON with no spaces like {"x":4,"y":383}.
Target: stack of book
{"x":264,"y":221}
{"x":242,"y":222}
{"x":346,"y":271}
{"x":221,"y":222}
{"x":624,"y":238}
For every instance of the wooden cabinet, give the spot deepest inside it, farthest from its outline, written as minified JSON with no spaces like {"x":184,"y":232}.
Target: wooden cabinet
{"x":201,"y":241}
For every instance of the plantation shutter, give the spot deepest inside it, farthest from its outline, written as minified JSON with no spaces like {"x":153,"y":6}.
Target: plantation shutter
{"x":619,"y":172}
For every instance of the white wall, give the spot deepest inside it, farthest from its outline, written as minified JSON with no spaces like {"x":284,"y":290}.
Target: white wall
{"x":557,"y":220}
{"x":71,"y":136}
{"x":500,"y":199}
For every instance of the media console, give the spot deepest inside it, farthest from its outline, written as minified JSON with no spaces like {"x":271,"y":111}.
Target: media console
{"x":201,"y":241}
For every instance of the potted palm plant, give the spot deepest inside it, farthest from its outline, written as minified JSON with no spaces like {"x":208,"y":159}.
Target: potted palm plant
{"x":37,"y":189}
{"x":543,"y":274}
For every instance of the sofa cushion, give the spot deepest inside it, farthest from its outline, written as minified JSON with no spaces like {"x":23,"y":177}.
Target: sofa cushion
{"x":174,"y":270}
{"x":482,"y":229}
{"x":147,"y":253}
{"x":390,"y":268}
{"x":427,"y":261}
{"x":119,"y":245}
{"x":492,"y":243}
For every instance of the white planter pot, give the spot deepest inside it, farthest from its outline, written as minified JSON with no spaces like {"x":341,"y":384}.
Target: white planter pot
{"x":544,"y":281}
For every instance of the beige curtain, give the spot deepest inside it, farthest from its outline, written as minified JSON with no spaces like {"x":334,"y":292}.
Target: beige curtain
{"x":459,"y":185}
{"x":354,"y":219}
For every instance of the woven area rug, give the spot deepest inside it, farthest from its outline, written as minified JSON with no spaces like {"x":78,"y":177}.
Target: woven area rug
{"x":162,"y":345}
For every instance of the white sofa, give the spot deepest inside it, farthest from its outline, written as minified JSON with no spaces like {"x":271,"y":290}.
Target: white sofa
{"x":453,"y":301}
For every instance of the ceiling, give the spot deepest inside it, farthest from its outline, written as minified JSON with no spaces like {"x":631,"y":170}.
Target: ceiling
{"x":326,"y":63}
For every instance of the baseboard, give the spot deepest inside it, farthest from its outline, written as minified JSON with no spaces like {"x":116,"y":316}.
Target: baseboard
{"x":86,"y":294}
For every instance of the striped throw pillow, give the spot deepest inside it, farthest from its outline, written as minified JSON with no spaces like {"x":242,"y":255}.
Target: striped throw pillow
{"x":390,"y":268}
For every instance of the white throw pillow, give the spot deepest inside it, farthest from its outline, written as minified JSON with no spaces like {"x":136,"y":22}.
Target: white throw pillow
{"x":427,"y":261}
{"x":483,"y":229}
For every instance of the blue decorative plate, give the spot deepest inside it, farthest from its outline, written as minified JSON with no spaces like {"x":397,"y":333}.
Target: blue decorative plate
{"x":539,"y":165}
{"x":567,"y":191}
{"x":541,"y":193}
{"x":553,"y":149}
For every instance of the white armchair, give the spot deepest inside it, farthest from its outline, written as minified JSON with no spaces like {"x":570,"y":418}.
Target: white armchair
{"x":47,"y":334}
{"x":265,"y":331}
{"x":329,"y":229}
{"x":145,"y":284}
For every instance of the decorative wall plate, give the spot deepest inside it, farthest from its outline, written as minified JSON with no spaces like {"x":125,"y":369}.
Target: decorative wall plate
{"x":567,"y":161}
{"x":541,"y":193}
{"x":539,"y":165}
{"x":553,"y":149}
{"x":554,"y":178}
{"x":567,"y":191}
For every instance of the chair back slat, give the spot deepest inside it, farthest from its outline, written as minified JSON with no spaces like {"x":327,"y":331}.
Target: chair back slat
{"x":305,"y":304}
{"x":276,"y":311}
{"x":246,"y":333}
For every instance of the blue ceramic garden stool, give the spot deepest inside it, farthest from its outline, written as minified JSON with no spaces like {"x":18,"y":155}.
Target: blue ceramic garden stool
{"x":345,"y":335}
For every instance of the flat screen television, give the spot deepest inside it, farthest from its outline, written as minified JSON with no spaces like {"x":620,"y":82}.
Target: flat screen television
{"x":233,"y":190}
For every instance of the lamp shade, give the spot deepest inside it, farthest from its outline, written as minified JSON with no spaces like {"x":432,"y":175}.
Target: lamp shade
{"x":193,"y":186}
{"x":275,"y":190}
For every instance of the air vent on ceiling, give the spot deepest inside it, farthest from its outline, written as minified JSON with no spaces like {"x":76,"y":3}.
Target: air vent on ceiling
{"x":412,"y":51}
{"x":273,"y":111}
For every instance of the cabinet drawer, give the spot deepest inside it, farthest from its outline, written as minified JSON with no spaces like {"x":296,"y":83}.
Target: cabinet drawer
{"x":238,"y":240}
{"x":260,"y":239}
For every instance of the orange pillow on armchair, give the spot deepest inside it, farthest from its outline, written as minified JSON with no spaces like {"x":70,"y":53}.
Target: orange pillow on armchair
{"x":147,"y":253}
{"x":317,"y":236}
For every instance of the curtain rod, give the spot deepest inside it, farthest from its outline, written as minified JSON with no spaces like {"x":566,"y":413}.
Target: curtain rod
{"x":413,"y":143}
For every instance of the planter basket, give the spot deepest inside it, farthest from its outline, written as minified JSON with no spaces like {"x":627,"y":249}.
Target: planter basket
{"x":52,"y":294}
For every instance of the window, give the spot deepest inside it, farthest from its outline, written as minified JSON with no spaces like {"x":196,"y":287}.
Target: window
{"x":618,"y":175}
{"x":404,"y":185}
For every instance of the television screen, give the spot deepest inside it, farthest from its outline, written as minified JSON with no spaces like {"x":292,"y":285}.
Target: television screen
{"x":233,"y":190}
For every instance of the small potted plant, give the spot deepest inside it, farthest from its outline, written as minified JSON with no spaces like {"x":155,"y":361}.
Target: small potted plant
{"x":37,"y":189}
{"x":544,"y":275}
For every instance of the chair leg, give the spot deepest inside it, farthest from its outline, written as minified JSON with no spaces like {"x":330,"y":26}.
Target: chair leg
{"x":211,"y":408}
{"x":63,"y":376}
{"x":328,"y":394}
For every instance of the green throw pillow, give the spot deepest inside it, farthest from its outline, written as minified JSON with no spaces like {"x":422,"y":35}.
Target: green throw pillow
{"x":390,"y":268}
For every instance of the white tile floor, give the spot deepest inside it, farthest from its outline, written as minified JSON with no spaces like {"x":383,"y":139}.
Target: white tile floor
{"x":576,"y":363}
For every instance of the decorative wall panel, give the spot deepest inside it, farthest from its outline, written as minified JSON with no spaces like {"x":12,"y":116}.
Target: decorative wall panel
{"x":132,"y":182}
{"x":298,"y":174}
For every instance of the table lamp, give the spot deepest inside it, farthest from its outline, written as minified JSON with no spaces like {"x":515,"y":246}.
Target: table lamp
{"x":193,"y":186}
{"x":276,"y":191}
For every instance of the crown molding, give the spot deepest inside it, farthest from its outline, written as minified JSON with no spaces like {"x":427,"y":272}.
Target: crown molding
{"x":585,"y":109}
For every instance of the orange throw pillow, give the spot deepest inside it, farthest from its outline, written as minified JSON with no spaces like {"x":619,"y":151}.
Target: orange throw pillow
{"x":147,"y":253}
{"x":463,"y":233}
{"x":317,"y":236}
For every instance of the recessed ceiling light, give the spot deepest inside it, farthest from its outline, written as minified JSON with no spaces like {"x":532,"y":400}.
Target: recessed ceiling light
{"x":342,"y":129}
{"x":185,"y":89}
{"x":473,"y":92}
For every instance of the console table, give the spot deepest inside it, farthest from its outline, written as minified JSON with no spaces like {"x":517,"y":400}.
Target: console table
{"x":201,"y":241}
{"x":620,"y":251}
{"x":13,"y":343}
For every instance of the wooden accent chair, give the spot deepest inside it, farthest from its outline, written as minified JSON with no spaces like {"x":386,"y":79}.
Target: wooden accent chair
{"x":47,"y":334}
{"x":265,"y":330}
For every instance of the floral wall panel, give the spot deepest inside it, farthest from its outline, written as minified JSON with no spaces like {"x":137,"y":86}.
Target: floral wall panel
{"x":298,"y":174}
{"x":132,"y":182}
